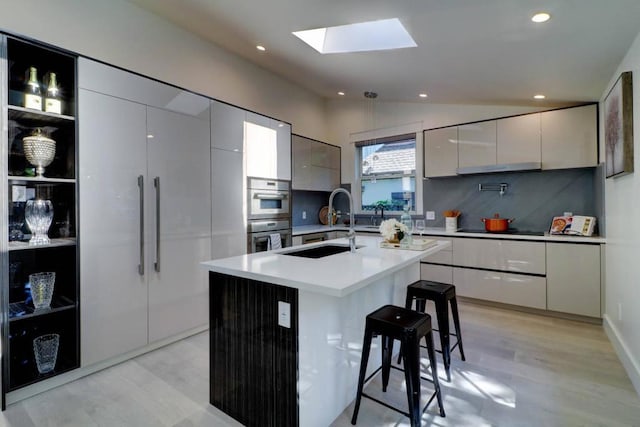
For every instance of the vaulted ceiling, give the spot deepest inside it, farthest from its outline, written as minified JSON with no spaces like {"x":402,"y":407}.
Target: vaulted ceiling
{"x":469,"y":51}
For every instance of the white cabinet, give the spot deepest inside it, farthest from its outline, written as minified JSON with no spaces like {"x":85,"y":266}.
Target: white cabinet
{"x":477,"y":144}
{"x":492,"y":270}
{"x":145,"y":173}
{"x":570,"y":137}
{"x":228,"y":228}
{"x":227,"y":127}
{"x":267,"y":144}
{"x":228,"y":180}
{"x":518,"y":139}
{"x":573,"y":278}
{"x":507,"y":255}
{"x":283,"y":149}
{"x":316,"y":165}
{"x":302,"y":175}
{"x":437,"y":267}
{"x":561,"y":277}
{"x":113,"y":293}
{"x":441,"y":152}
{"x":507,"y":288}
{"x":178,"y":162}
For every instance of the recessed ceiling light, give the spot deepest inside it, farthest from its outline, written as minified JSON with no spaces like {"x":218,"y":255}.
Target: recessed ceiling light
{"x":261,"y":48}
{"x":539,"y":96}
{"x":361,"y":37}
{"x":341,"y":93}
{"x":423,"y":95}
{"x":541,"y":17}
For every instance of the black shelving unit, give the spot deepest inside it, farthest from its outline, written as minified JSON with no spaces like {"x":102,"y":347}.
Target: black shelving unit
{"x":22,"y":323}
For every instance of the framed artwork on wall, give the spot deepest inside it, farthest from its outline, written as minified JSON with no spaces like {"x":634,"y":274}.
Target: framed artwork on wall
{"x":618,"y":127}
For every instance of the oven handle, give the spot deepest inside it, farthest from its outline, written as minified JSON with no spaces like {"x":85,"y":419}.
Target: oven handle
{"x":269,"y":196}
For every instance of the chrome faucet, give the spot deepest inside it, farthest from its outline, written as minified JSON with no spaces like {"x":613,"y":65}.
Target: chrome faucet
{"x":352,"y":232}
{"x":375,"y":211}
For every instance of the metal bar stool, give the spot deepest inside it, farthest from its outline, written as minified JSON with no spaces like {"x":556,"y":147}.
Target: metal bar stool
{"x":408,"y":326}
{"x":441,"y":294}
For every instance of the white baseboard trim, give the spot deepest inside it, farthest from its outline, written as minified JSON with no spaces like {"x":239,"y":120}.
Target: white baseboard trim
{"x":83,"y":371}
{"x":631,"y":365}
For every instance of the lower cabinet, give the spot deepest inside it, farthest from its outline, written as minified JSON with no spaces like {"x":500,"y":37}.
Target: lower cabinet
{"x":439,"y":267}
{"x":561,"y":277}
{"x":573,"y":279}
{"x":508,"y":288}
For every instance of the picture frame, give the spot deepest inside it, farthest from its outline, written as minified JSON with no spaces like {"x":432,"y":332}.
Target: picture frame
{"x":618,"y":127}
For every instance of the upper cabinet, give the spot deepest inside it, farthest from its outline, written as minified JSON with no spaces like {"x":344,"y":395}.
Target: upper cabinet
{"x":570,"y":137}
{"x":227,"y":127}
{"x":477,"y":144}
{"x":556,"y":139}
{"x":316,"y":165}
{"x":441,"y":152}
{"x":267,"y":144}
{"x":518,"y":139}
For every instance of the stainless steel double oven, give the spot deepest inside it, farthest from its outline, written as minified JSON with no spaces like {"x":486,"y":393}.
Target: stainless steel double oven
{"x":268,"y":212}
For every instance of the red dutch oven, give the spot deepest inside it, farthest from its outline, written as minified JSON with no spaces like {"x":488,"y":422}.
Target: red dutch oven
{"x":496,"y":224}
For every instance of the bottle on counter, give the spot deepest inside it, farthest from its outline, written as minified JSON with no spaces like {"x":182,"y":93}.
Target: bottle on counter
{"x":32,"y":92}
{"x":52,"y":102}
{"x":405,"y":219}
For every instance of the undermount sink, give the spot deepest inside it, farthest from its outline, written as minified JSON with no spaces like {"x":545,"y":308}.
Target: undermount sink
{"x":370,"y":227}
{"x":319,"y":251}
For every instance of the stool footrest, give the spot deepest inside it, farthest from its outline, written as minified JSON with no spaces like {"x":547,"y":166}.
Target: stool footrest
{"x":406,"y":414}
{"x":402,"y":370}
{"x":440,"y":351}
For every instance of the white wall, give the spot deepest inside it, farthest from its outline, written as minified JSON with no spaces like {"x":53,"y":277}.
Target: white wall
{"x":345,"y":118}
{"x":122,"y":34}
{"x":622,"y":209}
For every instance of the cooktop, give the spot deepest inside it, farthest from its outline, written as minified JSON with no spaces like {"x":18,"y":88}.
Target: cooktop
{"x":508,"y":231}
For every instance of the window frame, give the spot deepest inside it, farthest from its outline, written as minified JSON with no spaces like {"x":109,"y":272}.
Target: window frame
{"x":381,"y":136}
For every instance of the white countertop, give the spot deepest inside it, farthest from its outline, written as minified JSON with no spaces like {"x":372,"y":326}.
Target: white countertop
{"x":336,"y":275}
{"x":308,"y":229}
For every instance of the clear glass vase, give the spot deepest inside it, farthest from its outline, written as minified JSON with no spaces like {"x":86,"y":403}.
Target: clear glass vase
{"x":38,"y":214}
{"x":45,"y":349}
{"x":42,"y":285}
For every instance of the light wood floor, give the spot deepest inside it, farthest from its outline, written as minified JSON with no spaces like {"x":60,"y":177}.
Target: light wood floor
{"x":521,"y":370}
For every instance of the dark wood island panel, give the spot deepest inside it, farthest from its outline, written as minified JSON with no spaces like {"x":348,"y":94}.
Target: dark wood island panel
{"x":254,"y":361}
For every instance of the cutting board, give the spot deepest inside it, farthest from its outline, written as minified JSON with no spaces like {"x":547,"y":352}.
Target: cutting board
{"x":322,"y":215}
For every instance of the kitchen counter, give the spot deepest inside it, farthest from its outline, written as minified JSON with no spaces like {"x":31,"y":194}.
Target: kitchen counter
{"x":335,"y":275}
{"x":285,"y":331}
{"x":435,"y":231}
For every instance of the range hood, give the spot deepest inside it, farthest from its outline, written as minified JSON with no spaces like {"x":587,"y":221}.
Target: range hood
{"x":506,"y":167}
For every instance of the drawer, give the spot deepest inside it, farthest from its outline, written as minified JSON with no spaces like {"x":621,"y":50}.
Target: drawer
{"x":436,"y":273}
{"x":440,"y":257}
{"x":507,"y":288}
{"x":444,"y":239}
{"x":506,"y":255}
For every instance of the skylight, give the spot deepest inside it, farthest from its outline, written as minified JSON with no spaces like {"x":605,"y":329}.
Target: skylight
{"x":362,"y":37}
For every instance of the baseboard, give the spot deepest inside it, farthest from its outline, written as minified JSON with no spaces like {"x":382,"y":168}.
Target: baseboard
{"x":631,"y":365}
{"x":58,"y":380}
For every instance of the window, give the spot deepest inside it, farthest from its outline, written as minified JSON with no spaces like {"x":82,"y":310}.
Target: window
{"x":387,"y":173}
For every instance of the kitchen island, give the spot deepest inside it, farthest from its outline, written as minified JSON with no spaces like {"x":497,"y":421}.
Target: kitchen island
{"x":286,"y":331}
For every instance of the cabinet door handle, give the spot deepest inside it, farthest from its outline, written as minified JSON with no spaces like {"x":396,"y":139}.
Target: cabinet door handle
{"x":141,"y":190}
{"x":156,"y":184}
